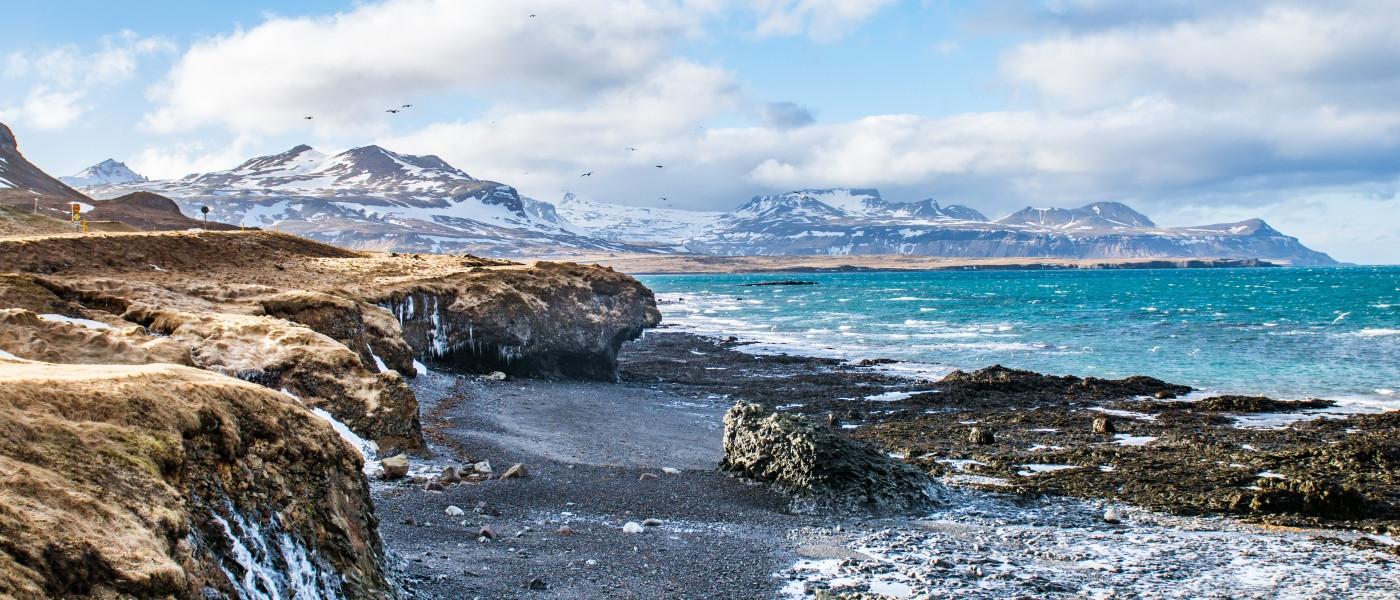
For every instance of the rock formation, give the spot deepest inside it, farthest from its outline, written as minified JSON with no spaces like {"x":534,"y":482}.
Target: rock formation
{"x":554,"y":319}
{"x":819,"y":467}
{"x":167,"y":481}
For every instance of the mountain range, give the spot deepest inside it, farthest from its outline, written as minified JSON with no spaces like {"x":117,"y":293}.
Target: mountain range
{"x":373,"y":198}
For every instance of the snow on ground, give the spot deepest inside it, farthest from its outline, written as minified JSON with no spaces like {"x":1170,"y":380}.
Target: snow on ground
{"x":985,"y":546}
{"x":88,"y":323}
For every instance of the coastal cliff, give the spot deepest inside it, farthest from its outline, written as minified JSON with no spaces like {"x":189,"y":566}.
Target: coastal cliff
{"x":168,"y":481}
{"x":166,"y":396}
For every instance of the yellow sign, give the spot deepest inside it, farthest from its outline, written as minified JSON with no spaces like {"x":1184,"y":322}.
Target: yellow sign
{"x":77,"y":212}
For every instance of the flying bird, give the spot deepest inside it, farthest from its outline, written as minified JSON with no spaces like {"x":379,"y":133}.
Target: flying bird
{"x":632,"y":149}
{"x":664,"y":199}
{"x":660,"y":167}
{"x":393,"y":110}
{"x":588,"y":174}
{"x":308,"y":118}
{"x":406,"y":106}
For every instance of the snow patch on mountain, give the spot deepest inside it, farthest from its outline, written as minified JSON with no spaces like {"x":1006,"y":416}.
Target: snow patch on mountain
{"x":636,"y":224}
{"x":107,"y":172}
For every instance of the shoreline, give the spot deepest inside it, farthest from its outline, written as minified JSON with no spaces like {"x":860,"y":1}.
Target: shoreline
{"x":587,"y":443}
{"x":767,"y":265}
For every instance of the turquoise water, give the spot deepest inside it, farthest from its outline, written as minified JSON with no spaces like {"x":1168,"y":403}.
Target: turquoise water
{"x":1288,"y":332}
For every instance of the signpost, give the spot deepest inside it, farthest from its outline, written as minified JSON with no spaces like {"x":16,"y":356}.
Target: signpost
{"x":205,"y":210}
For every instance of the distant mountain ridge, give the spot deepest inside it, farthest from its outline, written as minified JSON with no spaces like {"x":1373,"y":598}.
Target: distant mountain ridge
{"x":373,"y":198}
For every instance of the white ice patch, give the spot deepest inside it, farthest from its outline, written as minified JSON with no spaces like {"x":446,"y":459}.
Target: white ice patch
{"x":1123,"y":439}
{"x":367,"y":449}
{"x":4,"y":354}
{"x":1037,"y":468}
{"x":419,"y":368}
{"x":88,"y":323}
{"x":379,"y":363}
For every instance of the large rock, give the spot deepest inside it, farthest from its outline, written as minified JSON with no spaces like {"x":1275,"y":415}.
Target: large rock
{"x":161,"y":481}
{"x":552,"y":319}
{"x":821,"y":469}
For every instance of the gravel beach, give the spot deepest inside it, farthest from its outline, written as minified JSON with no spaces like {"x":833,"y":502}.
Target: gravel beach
{"x":603,"y":455}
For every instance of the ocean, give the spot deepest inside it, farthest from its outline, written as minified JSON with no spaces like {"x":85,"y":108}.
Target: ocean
{"x":1284,"y":332}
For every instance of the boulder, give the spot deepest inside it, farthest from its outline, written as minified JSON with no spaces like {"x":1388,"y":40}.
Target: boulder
{"x":1104,"y":425}
{"x":981,"y":436}
{"x":395,"y":467}
{"x":819,"y":468}
{"x":515,"y":471}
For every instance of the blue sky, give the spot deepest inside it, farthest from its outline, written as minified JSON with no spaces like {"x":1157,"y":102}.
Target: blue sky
{"x":1191,"y":111}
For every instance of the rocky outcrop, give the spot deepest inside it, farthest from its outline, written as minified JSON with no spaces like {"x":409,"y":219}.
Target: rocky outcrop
{"x":551,"y":319}
{"x":368,"y":330}
{"x":165,"y":481}
{"x":311,"y":366}
{"x":819,"y":468}
{"x":997,"y":384}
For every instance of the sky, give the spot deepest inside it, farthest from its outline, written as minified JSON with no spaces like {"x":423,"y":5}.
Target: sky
{"x":1191,"y":111}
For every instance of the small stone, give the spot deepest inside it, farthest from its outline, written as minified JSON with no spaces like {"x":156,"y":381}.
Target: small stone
{"x":591,"y":562}
{"x":487,"y":532}
{"x":450,"y":475}
{"x":1104,"y":425}
{"x":981,"y":436}
{"x":1164,"y":395}
{"x":832,"y":420}
{"x":515,"y":471}
{"x":632,"y":527}
{"x":652,"y":523}
{"x":648,"y":477}
{"x":1112,"y":517}
{"x":495,"y":376}
{"x":670,"y":470}
{"x":409,"y":521}
{"x":482,"y":467}
{"x":433,"y":486}
{"x":536,"y":585}
{"x":453,"y":511}
{"x":565,"y":531}
{"x":394,"y":467}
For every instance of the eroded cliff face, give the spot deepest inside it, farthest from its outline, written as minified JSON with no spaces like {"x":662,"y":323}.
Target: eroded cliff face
{"x":168,"y":481}
{"x":551,"y":319}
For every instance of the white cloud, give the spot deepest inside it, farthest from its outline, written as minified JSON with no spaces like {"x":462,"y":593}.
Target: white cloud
{"x":61,"y":79}
{"x":174,"y":160}
{"x":347,"y":68}
{"x":822,"y":20}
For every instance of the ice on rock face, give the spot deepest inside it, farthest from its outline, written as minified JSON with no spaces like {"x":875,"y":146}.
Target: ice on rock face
{"x":267,"y":563}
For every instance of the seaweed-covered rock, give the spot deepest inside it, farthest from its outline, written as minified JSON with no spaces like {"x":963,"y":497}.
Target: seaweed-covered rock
{"x":821,"y":469}
{"x":1259,"y":404}
{"x":998,"y":385}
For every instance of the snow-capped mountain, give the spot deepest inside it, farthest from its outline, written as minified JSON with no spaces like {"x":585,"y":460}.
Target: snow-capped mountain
{"x":842,"y":222}
{"x":370,"y":197}
{"x":107,"y":172}
{"x":635,"y":224}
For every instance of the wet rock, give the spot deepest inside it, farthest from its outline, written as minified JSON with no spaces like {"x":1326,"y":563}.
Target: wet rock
{"x":536,"y":585}
{"x":449,"y":475}
{"x":632,"y":527}
{"x":565,"y":531}
{"x":981,"y":436}
{"x":651,"y":523}
{"x":832,"y":420}
{"x":820,"y":468}
{"x":1052,"y":388}
{"x":648,"y":477}
{"x":516,"y":471}
{"x":394,"y":467}
{"x":1103,"y":424}
{"x":433,"y":486}
{"x":487,"y":532}
{"x":1258,"y":404}
{"x":1164,"y":395}
{"x":779,"y":282}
